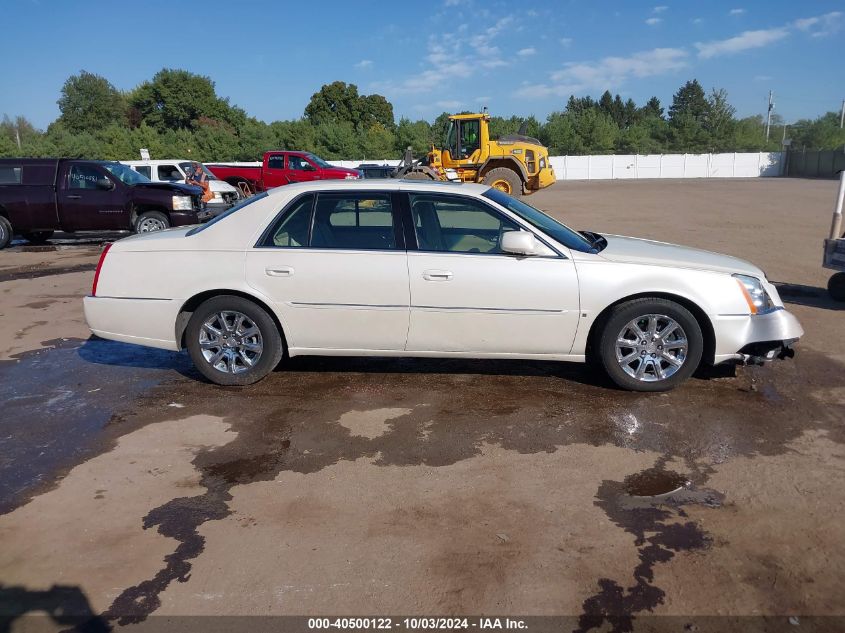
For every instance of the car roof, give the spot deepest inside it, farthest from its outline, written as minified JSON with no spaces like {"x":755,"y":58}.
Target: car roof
{"x":382,"y":184}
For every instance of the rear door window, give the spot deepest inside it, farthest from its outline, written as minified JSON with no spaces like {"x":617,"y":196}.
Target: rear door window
{"x":354,"y":222}
{"x":10,"y":175}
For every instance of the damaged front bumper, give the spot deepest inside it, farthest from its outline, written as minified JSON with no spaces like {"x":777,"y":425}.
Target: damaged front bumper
{"x":756,"y":339}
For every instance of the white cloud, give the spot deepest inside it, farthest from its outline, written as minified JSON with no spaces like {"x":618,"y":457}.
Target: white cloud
{"x":608,"y":72}
{"x":449,"y":105}
{"x":482,"y":99}
{"x":532,"y":13}
{"x":659,"y":9}
{"x":762,"y":78}
{"x":653,"y":21}
{"x":821,"y":25}
{"x":742,"y":42}
{"x":697,"y":20}
{"x":364,"y":63}
{"x":444,"y":63}
{"x":566,"y":41}
{"x":527,"y":52}
{"x":736,"y":11}
{"x":451,"y":3}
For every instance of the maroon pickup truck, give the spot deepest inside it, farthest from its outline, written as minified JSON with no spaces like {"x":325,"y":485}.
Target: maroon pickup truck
{"x":280,"y":168}
{"x":41,"y":195}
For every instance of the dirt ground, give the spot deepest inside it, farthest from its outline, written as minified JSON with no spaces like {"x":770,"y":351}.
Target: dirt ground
{"x":132,"y":490}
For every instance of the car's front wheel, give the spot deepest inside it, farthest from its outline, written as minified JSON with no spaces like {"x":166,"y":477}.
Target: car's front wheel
{"x":233,"y":341}
{"x":650,"y":344}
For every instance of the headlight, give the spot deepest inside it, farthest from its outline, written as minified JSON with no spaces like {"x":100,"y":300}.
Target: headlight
{"x":218,"y":195}
{"x":182,"y":203}
{"x":759,"y":301}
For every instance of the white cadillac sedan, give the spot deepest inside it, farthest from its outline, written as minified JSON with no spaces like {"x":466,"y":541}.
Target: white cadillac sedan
{"x":410,"y":268}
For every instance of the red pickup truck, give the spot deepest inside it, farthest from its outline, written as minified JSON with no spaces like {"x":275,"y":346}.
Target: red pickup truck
{"x":280,"y":168}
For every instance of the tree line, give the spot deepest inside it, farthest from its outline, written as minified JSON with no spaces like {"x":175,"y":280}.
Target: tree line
{"x":179,"y":114}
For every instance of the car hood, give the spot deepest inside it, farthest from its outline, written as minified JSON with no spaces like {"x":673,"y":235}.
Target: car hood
{"x":175,"y":187}
{"x":638,"y":251}
{"x":339,"y":171}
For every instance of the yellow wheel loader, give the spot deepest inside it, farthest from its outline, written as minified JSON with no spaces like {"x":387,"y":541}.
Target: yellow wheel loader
{"x":516,"y":164}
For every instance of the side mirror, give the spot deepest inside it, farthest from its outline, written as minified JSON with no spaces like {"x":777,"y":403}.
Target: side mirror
{"x":309,"y":167}
{"x":105,"y":184}
{"x":519,"y":243}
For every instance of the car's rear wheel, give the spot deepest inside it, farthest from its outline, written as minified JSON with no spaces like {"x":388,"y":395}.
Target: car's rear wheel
{"x":650,"y":344}
{"x":233,"y":341}
{"x":150,"y":221}
{"x":5,"y":232}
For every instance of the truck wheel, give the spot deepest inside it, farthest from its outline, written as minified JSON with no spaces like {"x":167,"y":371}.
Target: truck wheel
{"x":38,"y":237}
{"x":650,"y":344}
{"x":5,"y":232}
{"x":233,"y":341}
{"x":505,"y":180}
{"x":836,"y":287}
{"x":417,"y":175}
{"x":150,"y":221}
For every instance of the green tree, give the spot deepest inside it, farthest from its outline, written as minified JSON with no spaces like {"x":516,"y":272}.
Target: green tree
{"x":89,"y":102}
{"x":652,"y":108}
{"x":176,"y":99}
{"x":689,"y":100}
{"x":413,"y":134}
{"x":561,"y":135}
{"x":339,"y":102}
{"x":719,"y":120}
{"x":821,"y":133}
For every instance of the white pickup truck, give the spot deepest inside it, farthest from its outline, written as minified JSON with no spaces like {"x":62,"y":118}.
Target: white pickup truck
{"x":176,"y":170}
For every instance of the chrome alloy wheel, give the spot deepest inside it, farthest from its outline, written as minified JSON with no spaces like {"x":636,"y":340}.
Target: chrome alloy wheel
{"x":230,"y":342}
{"x":148,"y":225}
{"x":651,"y":348}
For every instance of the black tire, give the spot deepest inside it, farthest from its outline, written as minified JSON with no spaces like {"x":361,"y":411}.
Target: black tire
{"x":417,"y":175}
{"x":150,"y":221}
{"x":504,"y":179}
{"x":663,"y":310}
{"x":270,"y":340}
{"x":835,"y":286}
{"x":5,"y":232}
{"x":38,"y":237}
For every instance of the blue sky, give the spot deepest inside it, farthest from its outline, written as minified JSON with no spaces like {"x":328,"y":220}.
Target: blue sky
{"x":426,"y":57}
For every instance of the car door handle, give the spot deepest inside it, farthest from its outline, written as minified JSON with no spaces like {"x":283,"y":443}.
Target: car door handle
{"x":437,"y":275}
{"x":74,"y":197}
{"x":284,"y":271}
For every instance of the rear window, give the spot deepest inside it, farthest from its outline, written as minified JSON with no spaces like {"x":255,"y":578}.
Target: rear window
{"x":10,"y":175}
{"x":226,"y":214}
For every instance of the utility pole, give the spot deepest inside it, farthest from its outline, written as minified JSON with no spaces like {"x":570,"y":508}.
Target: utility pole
{"x":18,"y":135}
{"x":842,"y":115}
{"x":769,"y":114}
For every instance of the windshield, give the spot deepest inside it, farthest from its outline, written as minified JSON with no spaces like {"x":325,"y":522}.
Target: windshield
{"x":188,"y":169}
{"x":125,"y":174}
{"x":538,"y":219}
{"x":319,"y":161}
{"x":226,"y":214}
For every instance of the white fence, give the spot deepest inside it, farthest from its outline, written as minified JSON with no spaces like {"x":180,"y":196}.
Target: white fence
{"x":608,"y":167}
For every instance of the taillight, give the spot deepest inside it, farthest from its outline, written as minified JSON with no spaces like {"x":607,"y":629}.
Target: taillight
{"x":99,"y":267}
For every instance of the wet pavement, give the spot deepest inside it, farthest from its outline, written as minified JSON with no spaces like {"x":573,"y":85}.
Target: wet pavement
{"x":373,"y":486}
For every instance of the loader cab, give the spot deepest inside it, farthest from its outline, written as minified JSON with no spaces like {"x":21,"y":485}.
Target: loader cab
{"x":464,"y":138}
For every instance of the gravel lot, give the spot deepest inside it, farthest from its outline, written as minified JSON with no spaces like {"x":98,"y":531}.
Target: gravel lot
{"x":129,"y":489}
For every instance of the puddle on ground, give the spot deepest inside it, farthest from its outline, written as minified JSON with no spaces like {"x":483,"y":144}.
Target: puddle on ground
{"x":653,"y":482}
{"x":62,"y":400}
{"x":57,"y":402}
